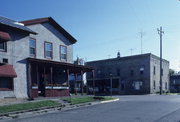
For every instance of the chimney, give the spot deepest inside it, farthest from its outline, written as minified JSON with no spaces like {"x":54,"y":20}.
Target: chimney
{"x":118,"y":55}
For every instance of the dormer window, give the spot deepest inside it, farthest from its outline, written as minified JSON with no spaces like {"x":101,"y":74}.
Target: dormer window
{"x":32,"y":43}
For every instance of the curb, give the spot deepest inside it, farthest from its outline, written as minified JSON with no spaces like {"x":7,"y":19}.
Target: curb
{"x":107,"y":101}
{"x":39,"y":111}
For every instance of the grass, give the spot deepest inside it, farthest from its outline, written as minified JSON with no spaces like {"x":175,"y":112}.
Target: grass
{"x":27,"y":106}
{"x":79,"y":100}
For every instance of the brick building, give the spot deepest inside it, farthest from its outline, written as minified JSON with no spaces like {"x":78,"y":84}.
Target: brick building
{"x":175,"y":83}
{"x":137,"y":74}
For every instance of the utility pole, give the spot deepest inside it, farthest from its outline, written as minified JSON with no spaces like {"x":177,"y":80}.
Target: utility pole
{"x":160,"y":32}
{"x":141,"y":35}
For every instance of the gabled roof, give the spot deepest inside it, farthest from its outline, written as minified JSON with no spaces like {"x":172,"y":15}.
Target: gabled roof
{"x":53,"y":23}
{"x":15,"y":24}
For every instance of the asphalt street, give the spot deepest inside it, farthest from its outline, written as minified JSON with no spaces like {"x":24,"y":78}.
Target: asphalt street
{"x":144,"y":108}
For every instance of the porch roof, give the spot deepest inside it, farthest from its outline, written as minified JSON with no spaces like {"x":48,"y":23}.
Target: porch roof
{"x":7,"y":70}
{"x":73,"y":68}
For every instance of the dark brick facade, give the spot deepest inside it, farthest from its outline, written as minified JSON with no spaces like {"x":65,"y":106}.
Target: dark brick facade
{"x":138,"y":74}
{"x":56,"y":92}
{"x":51,"y":93}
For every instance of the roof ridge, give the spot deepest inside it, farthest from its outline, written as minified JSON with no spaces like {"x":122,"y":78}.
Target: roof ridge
{"x":35,"y":19}
{"x":8,"y":19}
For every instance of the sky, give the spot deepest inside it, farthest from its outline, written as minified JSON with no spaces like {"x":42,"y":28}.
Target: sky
{"x":104,"y":27}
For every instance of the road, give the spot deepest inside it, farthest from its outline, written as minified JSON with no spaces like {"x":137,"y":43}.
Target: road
{"x":145,"y":108}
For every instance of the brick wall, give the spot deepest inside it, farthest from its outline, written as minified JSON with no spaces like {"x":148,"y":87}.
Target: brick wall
{"x":56,"y":92}
{"x":34,"y":93}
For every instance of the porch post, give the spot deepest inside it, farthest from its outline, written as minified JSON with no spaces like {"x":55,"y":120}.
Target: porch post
{"x":44,"y":82}
{"x":75,"y":88}
{"x":51,"y":71}
{"x":93,"y":83}
{"x":82,"y":84}
{"x":67,"y":73}
{"x":30,"y":82}
{"x":37,"y":75}
{"x":37,"y":78}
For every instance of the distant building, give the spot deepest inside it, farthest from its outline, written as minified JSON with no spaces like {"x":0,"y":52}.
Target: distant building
{"x":138,"y":74}
{"x":175,"y":83}
{"x":78,"y":81}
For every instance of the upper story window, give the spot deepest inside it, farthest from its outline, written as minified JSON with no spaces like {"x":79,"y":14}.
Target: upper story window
{"x":32,"y":46}
{"x":154,"y":70}
{"x":3,"y":46}
{"x":48,"y":50}
{"x":132,"y":72}
{"x":162,"y":71}
{"x":118,"y":72}
{"x":141,"y":70}
{"x":63,"y":52}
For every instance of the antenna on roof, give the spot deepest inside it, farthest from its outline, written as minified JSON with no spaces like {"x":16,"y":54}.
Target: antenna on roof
{"x":141,"y":35}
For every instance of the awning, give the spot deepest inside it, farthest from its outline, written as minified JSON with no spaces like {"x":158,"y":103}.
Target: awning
{"x":7,"y":70}
{"x":4,"y":36}
{"x":73,"y":68}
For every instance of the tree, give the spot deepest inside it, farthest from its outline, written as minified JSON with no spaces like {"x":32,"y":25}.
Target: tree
{"x":171,"y":72}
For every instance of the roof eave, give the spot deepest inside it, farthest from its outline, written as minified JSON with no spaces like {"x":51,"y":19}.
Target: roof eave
{"x":54,"y":23}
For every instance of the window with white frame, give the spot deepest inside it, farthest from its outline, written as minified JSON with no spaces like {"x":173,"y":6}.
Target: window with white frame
{"x":32,"y":46}
{"x":48,"y":50}
{"x":63,"y":52}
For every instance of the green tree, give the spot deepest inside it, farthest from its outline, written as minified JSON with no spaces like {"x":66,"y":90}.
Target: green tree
{"x":171,"y":72}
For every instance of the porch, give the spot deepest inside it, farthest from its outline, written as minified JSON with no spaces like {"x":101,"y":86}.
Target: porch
{"x":48,"y":78}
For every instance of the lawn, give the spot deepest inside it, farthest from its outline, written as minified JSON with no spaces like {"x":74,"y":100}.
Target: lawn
{"x":78,"y":100}
{"x":27,"y":106}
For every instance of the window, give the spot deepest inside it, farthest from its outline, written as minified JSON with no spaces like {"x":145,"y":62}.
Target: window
{"x":3,"y":46}
{"x":6,"y":83}
{"x":5,"y":60}
{"x":166,"y":86}
{"x":48,"y":50}
{"x":141,"y":70}
{"x":132,"y":72}
{"x":118,"y":72}
{"x":154,"y":70}
{"x":137,"y":85}
{"x":63,"y":52}
{"x":162,"y":72}
{"x":154,"y":84}
{"x":32,"y":46}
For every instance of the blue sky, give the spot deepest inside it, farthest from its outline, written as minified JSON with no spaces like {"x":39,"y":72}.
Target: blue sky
{"x":102,"y":27}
